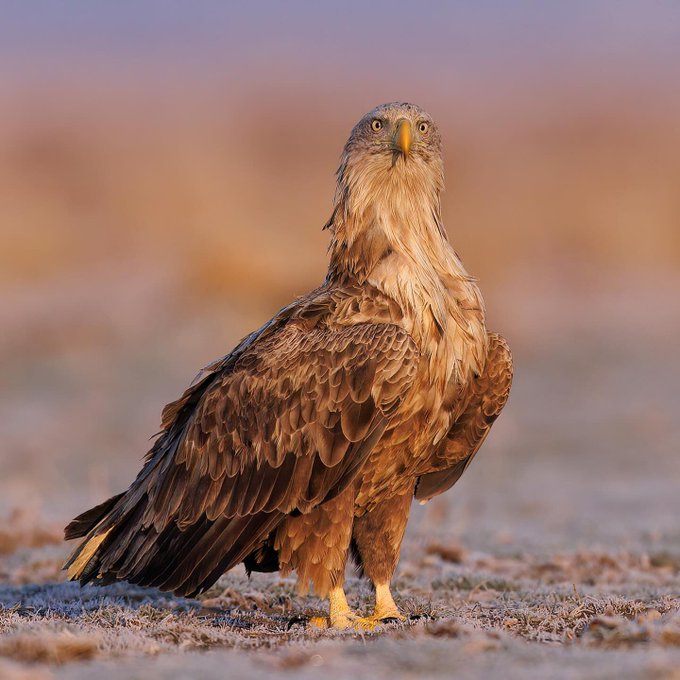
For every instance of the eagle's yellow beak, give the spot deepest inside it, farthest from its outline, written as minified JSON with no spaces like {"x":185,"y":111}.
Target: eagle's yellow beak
{"x":403,"y":138}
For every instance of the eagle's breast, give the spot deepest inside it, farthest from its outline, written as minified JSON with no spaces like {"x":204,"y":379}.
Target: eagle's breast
{"x":444,"y":313}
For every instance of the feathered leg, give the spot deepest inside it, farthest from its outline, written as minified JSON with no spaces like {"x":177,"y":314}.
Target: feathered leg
{"x":316,"y":545}
{"x":376,"y":543}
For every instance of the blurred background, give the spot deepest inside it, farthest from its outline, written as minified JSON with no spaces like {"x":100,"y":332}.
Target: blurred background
{"x":165,"y":171}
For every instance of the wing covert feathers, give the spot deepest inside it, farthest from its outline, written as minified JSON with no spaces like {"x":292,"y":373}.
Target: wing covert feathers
{"x":281,"y":425}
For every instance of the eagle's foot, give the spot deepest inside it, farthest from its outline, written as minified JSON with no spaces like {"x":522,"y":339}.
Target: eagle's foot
{"x":345,"y":621}
{"x":386,"y":610}
{"x":341,"y":616}
{"x":354,"y":622}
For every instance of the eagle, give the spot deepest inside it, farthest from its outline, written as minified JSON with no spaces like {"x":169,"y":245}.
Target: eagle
{"x":307,"y":443}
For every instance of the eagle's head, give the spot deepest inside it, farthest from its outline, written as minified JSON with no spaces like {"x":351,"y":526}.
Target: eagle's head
{"x":395,"y":134}
{"x":392,"y":157}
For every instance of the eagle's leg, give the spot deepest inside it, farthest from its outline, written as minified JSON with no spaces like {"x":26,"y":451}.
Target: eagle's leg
{"x":376,"y":543}
{"x":316,"y":545}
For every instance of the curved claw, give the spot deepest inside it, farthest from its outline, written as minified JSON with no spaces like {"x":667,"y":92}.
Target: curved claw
{"x":356,"y":622}
{"x":392,"y":619}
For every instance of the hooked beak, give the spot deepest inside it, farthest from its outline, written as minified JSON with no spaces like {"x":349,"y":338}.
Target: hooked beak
{"x":403,"y":137}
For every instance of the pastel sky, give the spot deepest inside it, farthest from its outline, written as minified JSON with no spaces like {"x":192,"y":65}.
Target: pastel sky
{"x":476,"y":39}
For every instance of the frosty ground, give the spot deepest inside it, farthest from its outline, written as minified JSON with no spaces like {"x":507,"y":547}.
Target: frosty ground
{"x":556,"y":555}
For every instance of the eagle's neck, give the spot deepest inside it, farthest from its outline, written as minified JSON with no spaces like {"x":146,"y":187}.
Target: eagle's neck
{"x":396,"y":243}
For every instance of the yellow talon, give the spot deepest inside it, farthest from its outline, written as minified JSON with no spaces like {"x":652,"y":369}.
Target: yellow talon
{"x":347,"y":621}
{"x":355,"y":622}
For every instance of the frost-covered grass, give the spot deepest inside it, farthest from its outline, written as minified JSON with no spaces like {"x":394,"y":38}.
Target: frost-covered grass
{"x":478,"y":604}
{"x":557,"y":554}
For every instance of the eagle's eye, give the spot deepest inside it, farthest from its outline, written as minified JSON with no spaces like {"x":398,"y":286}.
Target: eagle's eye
{"x":376,"y":124}
{"x":423,"y":127}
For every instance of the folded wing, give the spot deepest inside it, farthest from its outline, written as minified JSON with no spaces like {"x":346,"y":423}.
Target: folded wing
{"x":489,"y":392}
{"x":278,"y":427}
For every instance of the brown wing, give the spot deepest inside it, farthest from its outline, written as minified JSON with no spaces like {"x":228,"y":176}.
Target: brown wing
{"x":489,"y":393}
{"x":281,"y":428}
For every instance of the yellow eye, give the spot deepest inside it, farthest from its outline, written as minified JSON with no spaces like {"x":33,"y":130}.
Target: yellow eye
{"x":423,"y":127}
{"x":376,"y":124}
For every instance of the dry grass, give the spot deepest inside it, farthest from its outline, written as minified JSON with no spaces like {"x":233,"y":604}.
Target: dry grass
{"x":20,"y":530}
{"x":449,"y":553}
{"x":54,"y":648}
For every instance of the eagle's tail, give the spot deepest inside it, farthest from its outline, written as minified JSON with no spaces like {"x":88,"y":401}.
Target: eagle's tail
{"x":86,"y":521}
{"x":95,"y":525}
{"x":82,"y":565}
{"x":183,"y":560}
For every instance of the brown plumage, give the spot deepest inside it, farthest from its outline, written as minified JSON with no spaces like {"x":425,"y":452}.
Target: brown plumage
{"x":309,"y":440}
